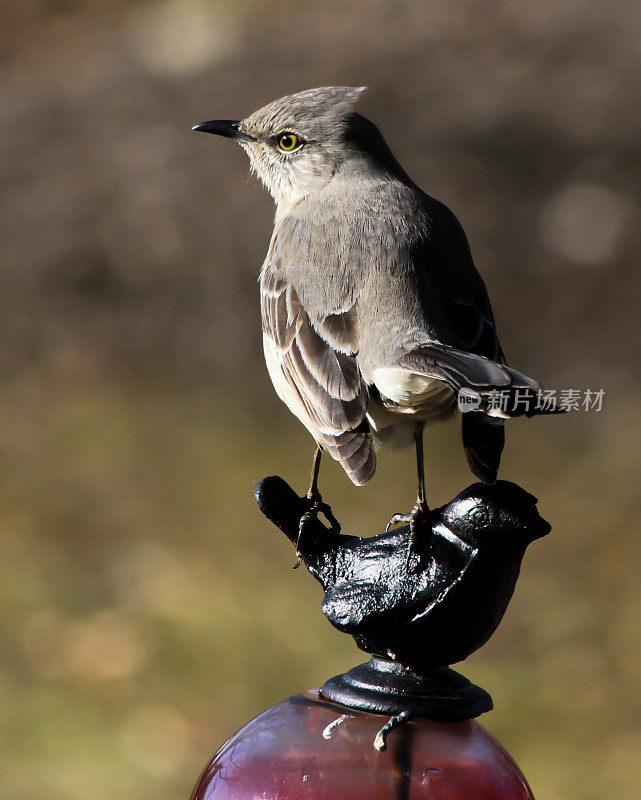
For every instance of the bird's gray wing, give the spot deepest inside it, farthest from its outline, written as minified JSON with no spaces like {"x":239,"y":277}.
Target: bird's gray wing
{"x":463,"y":320}
{"x":312,"y":363}
{"x":462,"y":370}
{"x":450,"y":281}
{"x":501,"y":392}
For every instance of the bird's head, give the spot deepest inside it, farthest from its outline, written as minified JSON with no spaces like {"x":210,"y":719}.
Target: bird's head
{"x":500,"y":514}
{"x":296,"y":144}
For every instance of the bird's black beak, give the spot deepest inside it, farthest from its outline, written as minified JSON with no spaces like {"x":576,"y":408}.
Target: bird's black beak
{"x":224,"y":127}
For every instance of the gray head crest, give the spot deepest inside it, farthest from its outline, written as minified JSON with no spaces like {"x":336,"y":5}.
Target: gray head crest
{"x":313,"y":112}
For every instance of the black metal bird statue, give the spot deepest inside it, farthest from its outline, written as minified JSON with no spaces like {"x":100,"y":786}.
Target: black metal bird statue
{"x":419,"y":614}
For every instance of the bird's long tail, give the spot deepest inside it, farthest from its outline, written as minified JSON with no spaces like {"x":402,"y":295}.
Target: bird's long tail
{"x":483,"y":441}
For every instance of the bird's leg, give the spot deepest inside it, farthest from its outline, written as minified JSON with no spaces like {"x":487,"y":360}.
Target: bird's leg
{"x":317,"y":506}
{"x":421,"y":510}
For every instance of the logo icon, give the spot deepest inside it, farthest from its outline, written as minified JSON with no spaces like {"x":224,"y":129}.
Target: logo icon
{"x":468,"y":400}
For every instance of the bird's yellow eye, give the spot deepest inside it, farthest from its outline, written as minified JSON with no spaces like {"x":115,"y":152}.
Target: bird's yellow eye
{"x":288,"y":142}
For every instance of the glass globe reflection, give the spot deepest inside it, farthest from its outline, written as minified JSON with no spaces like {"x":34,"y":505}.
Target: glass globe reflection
{"x":308,"y":748}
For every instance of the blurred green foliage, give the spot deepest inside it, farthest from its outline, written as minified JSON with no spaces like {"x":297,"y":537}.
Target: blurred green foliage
{"x":148,"y":609}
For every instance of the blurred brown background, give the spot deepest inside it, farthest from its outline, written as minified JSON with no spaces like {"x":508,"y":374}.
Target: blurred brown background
{"x":147,"y":609}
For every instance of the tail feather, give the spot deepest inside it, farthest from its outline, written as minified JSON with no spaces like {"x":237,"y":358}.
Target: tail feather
{"x":483,"y":440}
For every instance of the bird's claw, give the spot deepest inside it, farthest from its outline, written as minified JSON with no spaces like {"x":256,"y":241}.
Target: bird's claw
{"x":318,"y":506}
{"x":395,"y":519}
{"x":416,"y":518}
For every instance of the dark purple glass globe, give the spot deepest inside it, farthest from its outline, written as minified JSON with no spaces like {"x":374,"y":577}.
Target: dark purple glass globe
{"x":307,"y":748}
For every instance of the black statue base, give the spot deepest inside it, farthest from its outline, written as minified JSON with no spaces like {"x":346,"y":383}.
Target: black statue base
{"x":386,"y":687}
{"x":417,"y":614}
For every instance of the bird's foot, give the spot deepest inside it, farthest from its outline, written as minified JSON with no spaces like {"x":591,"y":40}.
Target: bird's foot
{"x":417,"y":517}
{"x":318,"y":506}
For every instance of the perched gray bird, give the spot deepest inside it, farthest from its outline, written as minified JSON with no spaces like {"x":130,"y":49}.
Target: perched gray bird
{"x":374,"y":316}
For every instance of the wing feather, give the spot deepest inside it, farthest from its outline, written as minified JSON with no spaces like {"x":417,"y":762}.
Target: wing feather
{"x":314,"y":369}
{"x":459,"y":302}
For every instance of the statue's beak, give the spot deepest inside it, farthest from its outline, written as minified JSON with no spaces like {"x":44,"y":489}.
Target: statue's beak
{"x":224,"y":127}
